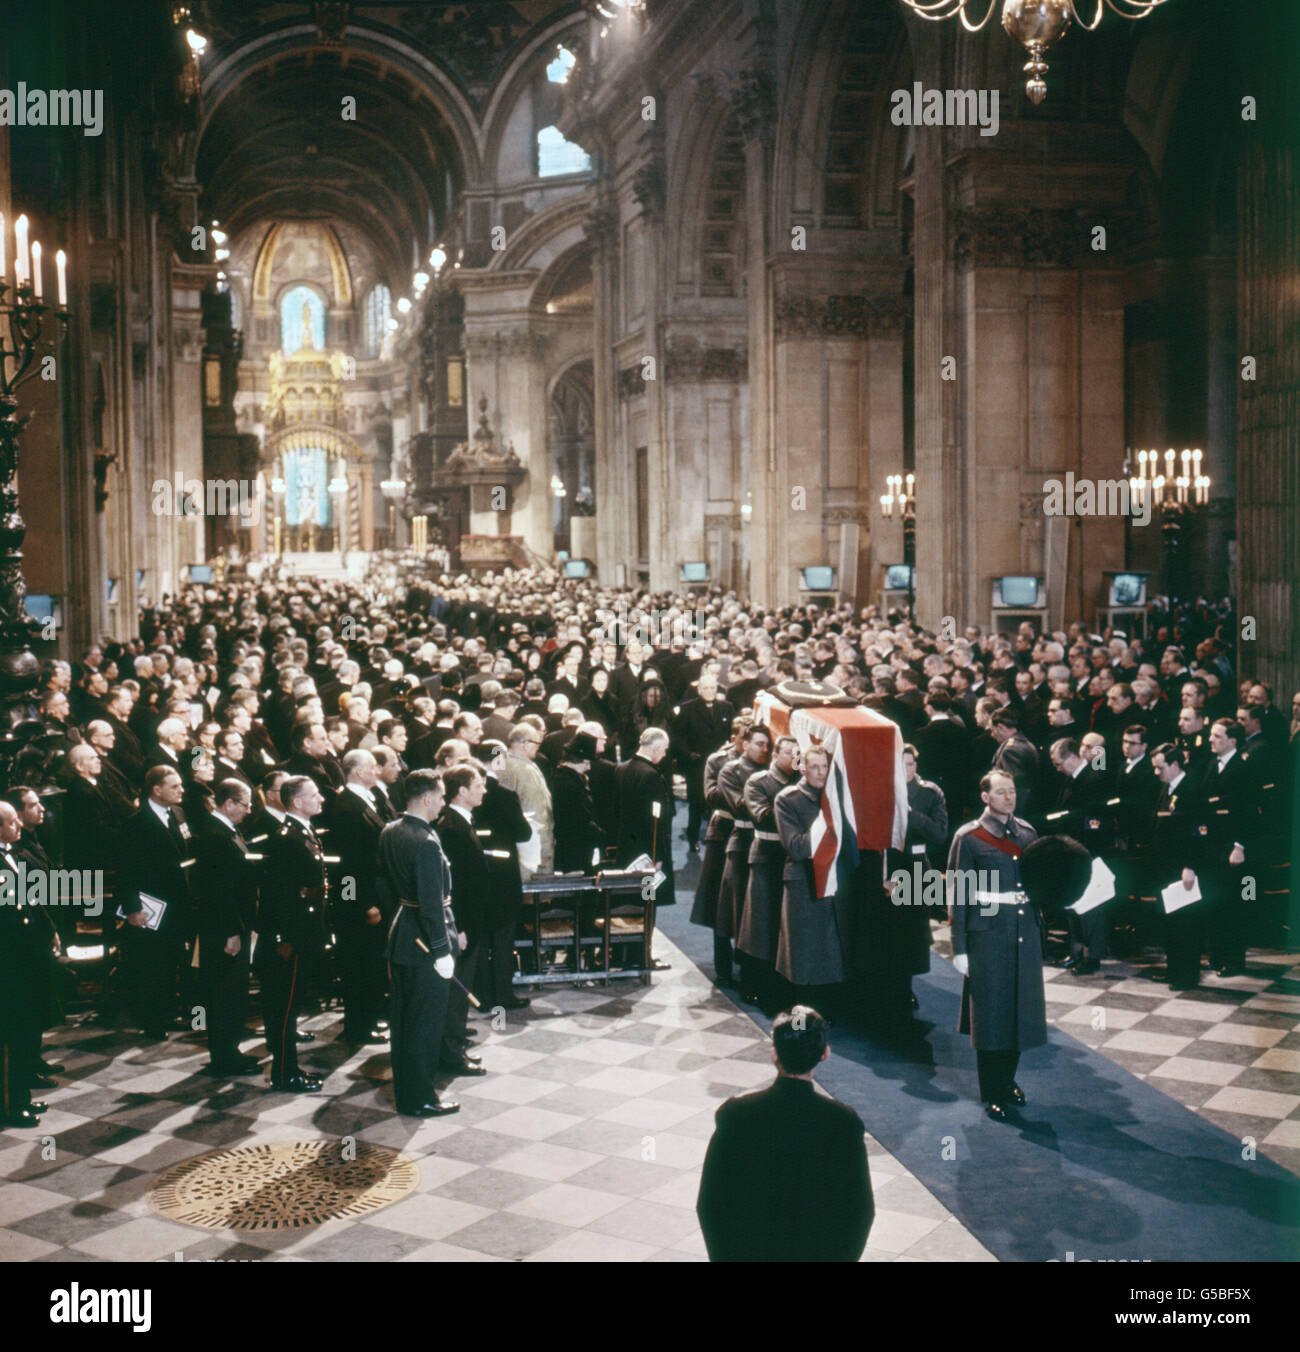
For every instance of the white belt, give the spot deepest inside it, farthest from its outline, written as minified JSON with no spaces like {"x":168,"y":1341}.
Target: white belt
{"x":767,"y":835}
{"x":918,"y":849}
{"x":1000,"y":898}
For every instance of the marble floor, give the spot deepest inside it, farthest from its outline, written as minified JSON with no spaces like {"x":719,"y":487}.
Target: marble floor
{"x":584,"y":1142}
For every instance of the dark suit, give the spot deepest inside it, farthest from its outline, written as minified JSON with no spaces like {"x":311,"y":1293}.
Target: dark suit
{"x":414,"y":884}
{"x":640,"y":787}
{"x":1082,"y":811}
{"x":1176,"y":844}
{"x":151,"y":859}
{"x":699,"y":730}
{"x":295,"y":891}
{"x":943,"y":752}
{"x":355,"y":827}
{"x":785,"y":1179}
{"x":1230,"y":817}
{"x":500,"y":815}
{"x":224,"y":882}
{"x":469,"y":892}
{"x":1017,"y":758}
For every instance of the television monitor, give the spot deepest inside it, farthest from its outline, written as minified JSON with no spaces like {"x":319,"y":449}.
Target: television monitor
{"x":695,"y":572}
{"x":563,"y":555}
{"x":200,"y":572}
{"x":42,"y":606}
{"x":1128,"y":589}
{"x":819,"y":577}
{"x":575,"y":568}
{"x":898,"y":576}
{"x":1018,"y":592}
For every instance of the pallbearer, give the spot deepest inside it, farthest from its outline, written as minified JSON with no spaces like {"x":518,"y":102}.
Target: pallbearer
{"x":756,"y":750}
{"x":760,"y":921}
{"x":414,"y":883}
{"x":704,"y":909}
{"x":816,"y":931}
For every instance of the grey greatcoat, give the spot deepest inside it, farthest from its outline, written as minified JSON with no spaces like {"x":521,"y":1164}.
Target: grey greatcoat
{"x":704,"y":909}
{"x":732,"y":778}
{"x":815,"y":932}
{"x":1002,"y":1005}
{"x":760,"y":922}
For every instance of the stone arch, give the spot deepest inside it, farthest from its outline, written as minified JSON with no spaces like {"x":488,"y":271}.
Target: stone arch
{"x":340,"y":273}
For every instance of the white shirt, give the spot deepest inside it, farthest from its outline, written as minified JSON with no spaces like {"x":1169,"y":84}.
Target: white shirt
{"x":464,"y":812}
{"x":361,"y":792}
{"x":306,"y":821}
{"x":1137,"y":760}
{"x":1226,"y":757}
{"x":1173,"y":784}
{"x":221,"y":817}
{"x":164,"y":814}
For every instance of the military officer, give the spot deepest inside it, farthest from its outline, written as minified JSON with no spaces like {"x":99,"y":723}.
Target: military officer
{"x":760,"y":921}
{"x":1232,"y":828}
{"x":645,"y":809}
{"x":414,"y":883}
{"x":291,"y":927}
{"x":815,"y":933}
{"x":997,"y":943}
{"x":704,"y":909}
{"x":756,"y":751}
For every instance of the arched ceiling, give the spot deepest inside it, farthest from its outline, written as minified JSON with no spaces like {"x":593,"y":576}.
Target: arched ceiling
{"x":275,"y":143}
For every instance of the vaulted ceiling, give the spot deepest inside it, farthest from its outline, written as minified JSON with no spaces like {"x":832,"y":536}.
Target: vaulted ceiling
{"x":360,"y":112}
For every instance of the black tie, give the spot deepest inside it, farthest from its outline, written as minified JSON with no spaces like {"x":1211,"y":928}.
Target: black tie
{"x":174,"y":830}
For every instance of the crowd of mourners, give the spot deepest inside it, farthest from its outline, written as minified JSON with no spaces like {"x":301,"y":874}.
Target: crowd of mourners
{"x":237,"y":759}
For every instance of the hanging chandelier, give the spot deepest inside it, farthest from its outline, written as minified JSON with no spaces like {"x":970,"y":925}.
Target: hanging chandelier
{"x":1035,"y":24}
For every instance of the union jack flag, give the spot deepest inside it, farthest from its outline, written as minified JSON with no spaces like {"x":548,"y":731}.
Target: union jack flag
{"x":864,"y":804}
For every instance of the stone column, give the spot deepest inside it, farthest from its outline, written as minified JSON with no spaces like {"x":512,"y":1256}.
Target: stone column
{"x":187,"y":284}
{"x":1268,"y":406}
{"x":609,"y":473}
{"x":366,"y":474}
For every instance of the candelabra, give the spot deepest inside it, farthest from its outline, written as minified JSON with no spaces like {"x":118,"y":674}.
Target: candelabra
{"x":1177,"y":490}
{"x":23,"y":311}
{"x":1035,"y":24}
{"x":902,"y":493}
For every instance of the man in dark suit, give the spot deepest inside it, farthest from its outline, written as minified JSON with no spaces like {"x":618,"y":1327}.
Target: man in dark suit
{"x":645,"y":810}
{"x":121,"y":793}
{"x":465,"y":786}
{"x":1015,"y":756}
{"x":501,"y":825}
{"x":152,"y":855}
{"x":359,"y":923}
{"x":1177,"y":848}
{"x":224,"y":881}
{"x":311,"y":757}
{"x":1081,"y":811}
{"x":1231,"y":832}
{"x":943,"y":748}
{"x":785,"y":1178}
{"x":414,"y":886}
{"x":700,"y":728}
{"x":291,"y":928}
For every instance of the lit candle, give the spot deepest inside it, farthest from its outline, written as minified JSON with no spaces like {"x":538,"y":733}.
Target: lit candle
{"x":36,"y":268}
{"x":61,"y":268}
{"x":20,"y":250}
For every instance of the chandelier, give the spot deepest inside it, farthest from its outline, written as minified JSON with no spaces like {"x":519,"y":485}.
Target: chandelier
{"x":1035,"y":24}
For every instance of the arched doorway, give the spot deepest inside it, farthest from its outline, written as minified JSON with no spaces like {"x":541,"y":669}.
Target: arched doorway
{"x":573,"y":456}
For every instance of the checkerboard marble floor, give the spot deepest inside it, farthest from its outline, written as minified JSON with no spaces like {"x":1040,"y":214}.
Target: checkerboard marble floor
{"x":1229,"y":1050}
{"x":584,"y":1142}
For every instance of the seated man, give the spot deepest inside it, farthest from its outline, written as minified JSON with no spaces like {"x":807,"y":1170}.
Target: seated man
{"x":785,"y":1178}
